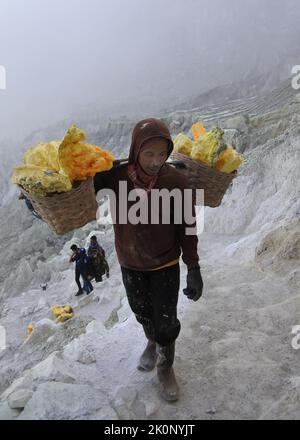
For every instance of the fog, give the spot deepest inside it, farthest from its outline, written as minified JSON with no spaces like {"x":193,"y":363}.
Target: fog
{"x":69,"y":56}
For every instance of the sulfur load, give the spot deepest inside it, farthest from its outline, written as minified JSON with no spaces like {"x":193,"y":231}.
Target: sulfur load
{"x":40,"y":182}
{"x":80,"y":160}
{"x":229,"y":160}
{"x":53,"y":167}
{"x":183,"y":144}
{"x":209,"y":147}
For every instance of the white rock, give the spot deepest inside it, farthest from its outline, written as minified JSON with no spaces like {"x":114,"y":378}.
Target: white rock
{"x":62,"y":401}
{"x":150,"y":407}
{"x":127,"y":404}
{"x":19,"y":398}
{"x":20,"y":383}
{"x":6,"y":413}
{"x":80,"y":350}
{"x":46,"y":326}
{"x":95,"y":326}
{"x":85,"y":300}
{"x":53,"y":368}
{"x":86,"y":357}
{"x":105,"y":413}
{"x":211,"y":410}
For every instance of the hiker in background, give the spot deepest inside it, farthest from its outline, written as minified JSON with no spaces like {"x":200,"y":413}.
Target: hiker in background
{"x":149,"y":253}
{"x":97,"y":256}
{"x":80,"y":257}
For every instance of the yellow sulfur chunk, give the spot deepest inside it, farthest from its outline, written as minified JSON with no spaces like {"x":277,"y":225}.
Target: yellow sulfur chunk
{"x":40,"y":182}
{"x":229,"y":160}
{"x":43,"y":155}
{"x":80,"y":160}
{"x":183,"y":144}
{"x":208,"y":146}
{"x":57,"y":310}
{"x":62,"y":313}
{"x":64,"y":317}
{"x":198,"y":130}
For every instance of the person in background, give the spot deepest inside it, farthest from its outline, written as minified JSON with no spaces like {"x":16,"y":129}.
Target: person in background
{"x":97,"y":255}
{"x":80,"y":257}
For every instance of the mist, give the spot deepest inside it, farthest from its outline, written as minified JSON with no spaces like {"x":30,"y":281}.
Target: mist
{"x":66,"y":57}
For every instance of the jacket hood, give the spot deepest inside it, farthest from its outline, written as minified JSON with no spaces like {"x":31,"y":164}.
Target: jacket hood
{"x":147,"y":129}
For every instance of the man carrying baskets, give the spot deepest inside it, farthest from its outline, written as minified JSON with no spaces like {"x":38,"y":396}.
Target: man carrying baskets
{"x":149,"y":253}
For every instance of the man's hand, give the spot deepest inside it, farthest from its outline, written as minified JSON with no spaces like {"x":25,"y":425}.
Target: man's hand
{"x":194,"y":284}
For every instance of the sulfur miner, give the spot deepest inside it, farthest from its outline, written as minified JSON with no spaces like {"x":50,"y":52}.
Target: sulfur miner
{"x":149,"y":253}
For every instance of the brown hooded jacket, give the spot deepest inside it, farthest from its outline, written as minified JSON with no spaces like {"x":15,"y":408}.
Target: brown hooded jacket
{"x":149,"y":246}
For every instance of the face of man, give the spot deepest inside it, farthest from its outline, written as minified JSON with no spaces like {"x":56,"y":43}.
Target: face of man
{"x":153,"y":154}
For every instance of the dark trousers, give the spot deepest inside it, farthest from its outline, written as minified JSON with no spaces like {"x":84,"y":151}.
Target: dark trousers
{"x":87,"y":285}
{"x":77,"y":278}
{"x":153,"y":297}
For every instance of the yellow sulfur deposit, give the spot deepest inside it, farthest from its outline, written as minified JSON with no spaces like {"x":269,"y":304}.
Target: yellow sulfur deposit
{"x":64,"y":317}
{"x":53,"y":167}
{"x":183,"y":144}
{"x":43,"y":155}
{"x":80,"y":160}
{"x":62,"y":313}
{"x":198,"y":130}
{"x":36,"y":180}
{"x":208,"y":146}
{"x":229,"y":160}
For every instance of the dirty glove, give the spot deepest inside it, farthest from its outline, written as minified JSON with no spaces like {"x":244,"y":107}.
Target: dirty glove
{"x":194,"y":284}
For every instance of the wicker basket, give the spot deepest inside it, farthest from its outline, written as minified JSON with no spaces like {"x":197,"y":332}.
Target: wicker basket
{"x":214,"y":182}
{"x":67,"y":211}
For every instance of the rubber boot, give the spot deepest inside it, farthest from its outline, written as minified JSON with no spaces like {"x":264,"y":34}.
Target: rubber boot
{"x":80,"y":292}
{"x":149,"y":356}
{"x":165,"y":373}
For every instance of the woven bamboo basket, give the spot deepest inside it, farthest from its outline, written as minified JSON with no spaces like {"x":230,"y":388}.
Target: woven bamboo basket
{"x":64,"y":212}
{"x":201,"y":176}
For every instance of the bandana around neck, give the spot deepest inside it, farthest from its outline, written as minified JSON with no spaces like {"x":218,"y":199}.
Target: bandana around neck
{"x":139,"y":178}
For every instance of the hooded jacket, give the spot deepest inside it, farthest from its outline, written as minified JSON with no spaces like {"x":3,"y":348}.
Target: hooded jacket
{"x":149,"y":246}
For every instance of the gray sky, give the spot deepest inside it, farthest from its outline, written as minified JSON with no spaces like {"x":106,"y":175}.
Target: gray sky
{"x":61,"y":56}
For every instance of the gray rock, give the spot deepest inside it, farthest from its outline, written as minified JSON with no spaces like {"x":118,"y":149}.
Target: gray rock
{"x":19,"y":398}
{"x":6,"y":413}
{"x":24,"y":382}
{"x":61,"y":401}
{"x":53,"y":368}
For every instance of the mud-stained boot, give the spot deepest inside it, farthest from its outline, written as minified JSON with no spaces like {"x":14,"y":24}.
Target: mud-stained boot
{"x":165,"y":373}
{"x":148,"y":359}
